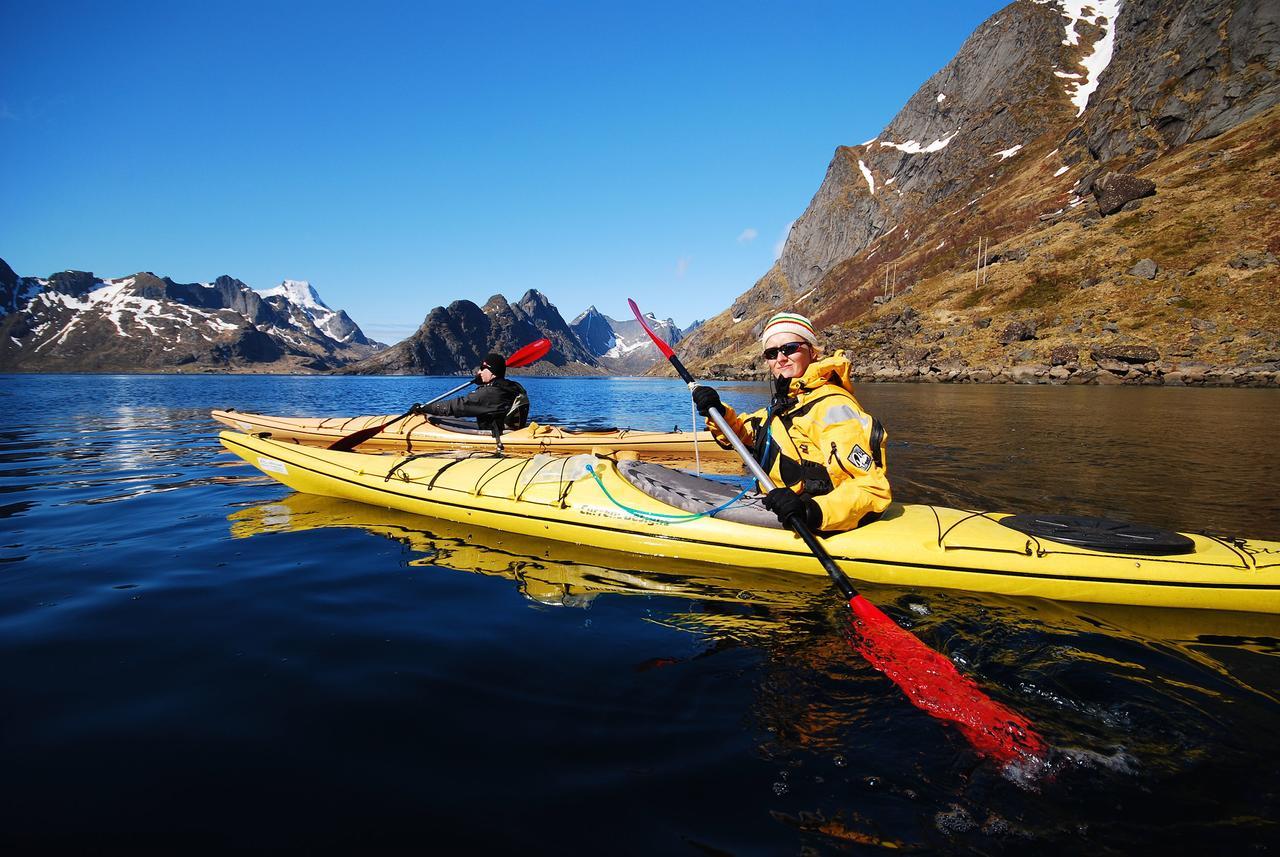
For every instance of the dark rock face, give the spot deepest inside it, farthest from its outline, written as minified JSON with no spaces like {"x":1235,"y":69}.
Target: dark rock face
{"x":1017,"y":331}
{"x":594,"y":331}
{"x":543,"y":316}
{"x":1113,"y":191}
{"x":1064,"y":355}
{"x":1183,"y":72}
{"x":235,"y":295}
{"x":454,"y":339}
{"x":1145,"y":269}
{"x":77,"y":284}
{"x":1125,"y":353}
{"x":1250,"y":261}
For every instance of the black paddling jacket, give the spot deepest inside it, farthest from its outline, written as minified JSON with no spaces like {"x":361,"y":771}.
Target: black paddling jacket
{"x":502,"y":403}
{"x":819,"y":441}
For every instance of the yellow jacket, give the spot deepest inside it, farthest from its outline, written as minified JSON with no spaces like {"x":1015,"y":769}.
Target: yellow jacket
{"x":820,"y":442}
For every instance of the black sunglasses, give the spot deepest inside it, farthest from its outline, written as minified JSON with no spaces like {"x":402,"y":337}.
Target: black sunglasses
{"x":787,"y":348}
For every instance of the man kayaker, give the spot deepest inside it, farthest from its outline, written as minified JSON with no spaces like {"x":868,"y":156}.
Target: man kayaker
{"x":825,"y":453}
{"x":497,"y":403}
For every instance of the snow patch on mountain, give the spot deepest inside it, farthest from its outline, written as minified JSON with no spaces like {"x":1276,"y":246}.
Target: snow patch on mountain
{"x":298,"y":292}
{"x":301,"y":294}
{"x":913,"y":147}
{"x":1080,"y":87}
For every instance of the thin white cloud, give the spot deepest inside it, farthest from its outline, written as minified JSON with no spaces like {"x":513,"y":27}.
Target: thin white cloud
{"x":782,"y":241}
{"x":682,"y":266}
{"x":749,"y":234}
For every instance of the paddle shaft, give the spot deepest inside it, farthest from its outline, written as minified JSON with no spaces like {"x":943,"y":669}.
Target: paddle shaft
{"x":800,"y":527}
{"x":446,"y":394}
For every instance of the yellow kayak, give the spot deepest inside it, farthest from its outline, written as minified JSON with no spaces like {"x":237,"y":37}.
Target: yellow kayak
{"x":571,"y":575}
{"x":644,"y":508}
{"x":422,"y":433}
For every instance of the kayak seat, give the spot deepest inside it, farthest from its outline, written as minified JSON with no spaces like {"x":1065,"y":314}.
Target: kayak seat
{"x":458,"y":424}
{"x":697,"y":495}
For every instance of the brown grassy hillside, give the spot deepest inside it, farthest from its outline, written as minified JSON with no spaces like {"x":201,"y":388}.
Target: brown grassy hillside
{"x":1064,"y":298}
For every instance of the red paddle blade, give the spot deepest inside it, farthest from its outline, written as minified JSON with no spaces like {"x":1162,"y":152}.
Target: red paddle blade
{"x":531,"y":353}
{"x":657,"y":340}
{"x":931,"y":682}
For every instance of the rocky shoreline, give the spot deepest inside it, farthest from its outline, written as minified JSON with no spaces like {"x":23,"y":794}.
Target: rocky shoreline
{"x":1105,"y":372}
{"x":1150,"y":374}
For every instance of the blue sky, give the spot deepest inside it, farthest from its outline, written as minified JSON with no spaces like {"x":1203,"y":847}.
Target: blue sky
{"x":400,"y":156}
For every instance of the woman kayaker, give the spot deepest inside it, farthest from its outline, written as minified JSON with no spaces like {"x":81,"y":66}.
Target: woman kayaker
{"x":497,"y":403}
{"x":826,"y":454}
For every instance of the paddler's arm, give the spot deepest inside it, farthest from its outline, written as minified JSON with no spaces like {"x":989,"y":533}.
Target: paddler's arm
{"x":861,"y":485}
{"x":477,"y":403}
{"x":705,"y":398}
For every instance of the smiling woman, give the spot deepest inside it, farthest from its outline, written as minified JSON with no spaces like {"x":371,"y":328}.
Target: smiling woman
{"x":823,"y":451}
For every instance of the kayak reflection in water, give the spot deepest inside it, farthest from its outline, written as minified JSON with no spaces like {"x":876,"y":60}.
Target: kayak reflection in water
{"x":497,"y":403}
{"x":826,"y":454}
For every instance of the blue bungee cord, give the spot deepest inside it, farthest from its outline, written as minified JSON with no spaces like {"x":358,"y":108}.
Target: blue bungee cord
{"x":663,"y":517}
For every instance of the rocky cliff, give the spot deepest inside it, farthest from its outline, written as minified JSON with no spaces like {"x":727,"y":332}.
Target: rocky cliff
{"x":1114,"y":167}
{"x":454,"y":339}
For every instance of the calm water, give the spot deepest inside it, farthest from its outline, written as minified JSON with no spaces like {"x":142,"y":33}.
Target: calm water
{"x":192,"y":658}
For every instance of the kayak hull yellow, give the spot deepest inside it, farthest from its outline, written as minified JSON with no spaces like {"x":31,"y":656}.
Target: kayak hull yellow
{"x":911,"y":545}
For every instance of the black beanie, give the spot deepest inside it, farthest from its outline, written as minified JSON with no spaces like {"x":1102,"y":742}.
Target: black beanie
{"x":496,"y":363}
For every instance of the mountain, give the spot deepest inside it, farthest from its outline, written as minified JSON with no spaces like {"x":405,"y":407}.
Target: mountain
{"x":1117,"y":164}
{"x":623,"y":347}
{"x":77,"y":322}
{"x":454,"y":339}
{"x":337,"y":325}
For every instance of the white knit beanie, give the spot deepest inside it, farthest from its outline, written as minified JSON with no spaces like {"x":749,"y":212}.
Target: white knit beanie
{"x":789,"y":322}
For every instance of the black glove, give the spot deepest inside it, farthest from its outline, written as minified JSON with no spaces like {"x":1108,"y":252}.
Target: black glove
{"x":706,"y":398}
{"x":787,"y":504}
{"x":423,"y":410}
{"x":415,"y":409}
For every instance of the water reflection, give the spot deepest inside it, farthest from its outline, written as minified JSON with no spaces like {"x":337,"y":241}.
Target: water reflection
{"x":547,"y":572}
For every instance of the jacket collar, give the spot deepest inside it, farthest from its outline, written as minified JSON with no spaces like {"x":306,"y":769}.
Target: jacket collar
{"x":820,"y":372}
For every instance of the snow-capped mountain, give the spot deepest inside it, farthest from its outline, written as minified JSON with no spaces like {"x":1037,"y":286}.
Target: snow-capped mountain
{"x":302,"y":295}
{"x":623,"y":346}
{"x":77,"y":322}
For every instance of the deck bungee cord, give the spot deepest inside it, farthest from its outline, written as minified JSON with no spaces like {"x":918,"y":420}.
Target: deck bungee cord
{"x":663,"y":517}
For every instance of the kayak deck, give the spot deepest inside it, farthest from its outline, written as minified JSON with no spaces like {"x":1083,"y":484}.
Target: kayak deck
{"x":910,"y":545}
{"x":419,"y":433}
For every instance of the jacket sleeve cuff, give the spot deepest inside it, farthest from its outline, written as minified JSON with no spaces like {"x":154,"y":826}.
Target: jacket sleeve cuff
{"x":814,"y":514}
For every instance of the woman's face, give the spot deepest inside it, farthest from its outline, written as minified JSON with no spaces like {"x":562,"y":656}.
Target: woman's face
{"x":788,"y":365}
